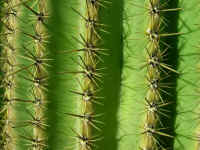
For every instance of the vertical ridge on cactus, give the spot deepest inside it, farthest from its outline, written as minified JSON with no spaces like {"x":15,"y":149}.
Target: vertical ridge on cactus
{"x":8,"y":60}
{"x":89,"y":81}
{"x":155,"y":101}
{"x":38,"y":74}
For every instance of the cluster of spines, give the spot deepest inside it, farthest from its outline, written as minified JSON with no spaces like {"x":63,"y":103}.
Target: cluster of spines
{"x":153,"y":127}
{"x":91,"y":77}
{"x":8,"y":65}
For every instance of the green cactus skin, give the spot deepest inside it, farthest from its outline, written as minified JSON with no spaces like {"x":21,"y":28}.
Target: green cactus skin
{"x":155,"y":106}
{"x":187,"y":109}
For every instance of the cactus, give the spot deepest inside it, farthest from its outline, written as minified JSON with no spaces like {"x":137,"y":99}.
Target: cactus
{"x":99,"y":74}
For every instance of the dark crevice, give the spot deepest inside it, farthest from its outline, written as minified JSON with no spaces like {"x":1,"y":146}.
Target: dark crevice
{"x":56,"y":130}
{"x":111,"y":16}
{"x":171,"y":81}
